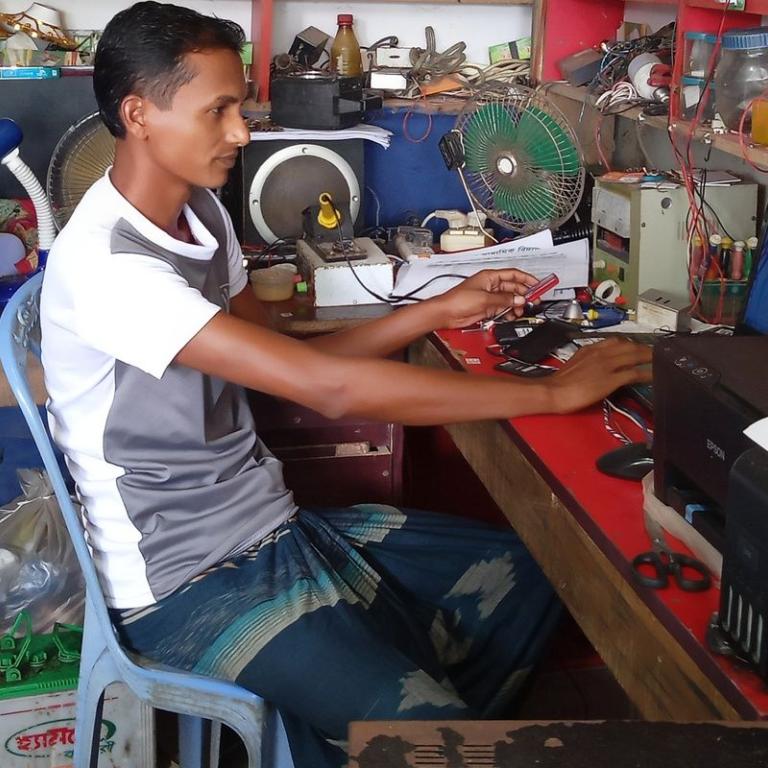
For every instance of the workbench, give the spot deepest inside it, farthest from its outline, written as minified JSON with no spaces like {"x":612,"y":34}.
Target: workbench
{"x":584,"y":528}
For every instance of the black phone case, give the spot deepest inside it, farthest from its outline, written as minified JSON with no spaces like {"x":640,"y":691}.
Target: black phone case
{"x":539,"y":344}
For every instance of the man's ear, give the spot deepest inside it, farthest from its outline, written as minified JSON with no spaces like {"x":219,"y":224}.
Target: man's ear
{"x":133,"y":116}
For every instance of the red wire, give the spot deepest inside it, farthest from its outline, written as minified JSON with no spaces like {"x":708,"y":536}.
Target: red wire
{"x":599,"y":142}
{"x":686,"y":163}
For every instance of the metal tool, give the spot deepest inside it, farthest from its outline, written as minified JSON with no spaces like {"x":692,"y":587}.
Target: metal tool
{"x":690,"y":574}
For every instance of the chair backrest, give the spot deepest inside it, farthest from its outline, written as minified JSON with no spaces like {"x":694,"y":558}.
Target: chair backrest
{"x":20,"y":335}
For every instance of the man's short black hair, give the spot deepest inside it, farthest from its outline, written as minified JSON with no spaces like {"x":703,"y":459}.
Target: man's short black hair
{"x":142,"y":51}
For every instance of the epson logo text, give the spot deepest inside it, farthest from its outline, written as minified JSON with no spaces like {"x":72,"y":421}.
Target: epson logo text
{"x":716,"y":450}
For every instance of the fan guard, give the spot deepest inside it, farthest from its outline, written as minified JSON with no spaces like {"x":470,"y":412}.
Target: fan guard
{"x":81,"y":157}
{"x":522,"y":162}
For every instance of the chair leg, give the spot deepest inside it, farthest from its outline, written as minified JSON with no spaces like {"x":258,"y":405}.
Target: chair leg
{"x":276,"y":751}
{"x":95,"y":675}
{"x":196,"y":742}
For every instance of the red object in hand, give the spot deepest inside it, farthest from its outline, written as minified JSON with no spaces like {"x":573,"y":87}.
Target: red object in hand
{"x":545,"y":284}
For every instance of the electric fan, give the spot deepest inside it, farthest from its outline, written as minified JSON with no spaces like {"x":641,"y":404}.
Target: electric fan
{"x":80,"y":158}
{"x":518,"y":159}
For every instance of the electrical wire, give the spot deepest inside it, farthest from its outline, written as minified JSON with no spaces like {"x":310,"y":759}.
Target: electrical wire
{"x":427,"y":131}
{"x":378,"y":204}
{"x":392,"y":298}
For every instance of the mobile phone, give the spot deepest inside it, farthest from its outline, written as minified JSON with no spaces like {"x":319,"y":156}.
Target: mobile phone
{"x":545,"y":284}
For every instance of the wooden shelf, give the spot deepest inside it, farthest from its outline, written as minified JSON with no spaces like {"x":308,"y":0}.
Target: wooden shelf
{"x":579,"y":93}
{"x":468,"y":2}
{"x":727,"y":142}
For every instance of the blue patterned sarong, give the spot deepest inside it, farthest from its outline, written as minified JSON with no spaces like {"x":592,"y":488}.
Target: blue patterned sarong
{"x":361,"y":613}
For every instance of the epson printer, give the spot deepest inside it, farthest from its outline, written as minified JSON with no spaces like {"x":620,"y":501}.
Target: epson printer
{"x":707,"y":389}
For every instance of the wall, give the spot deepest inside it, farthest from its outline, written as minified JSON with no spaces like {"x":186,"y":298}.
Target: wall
{"x":478,"y":26}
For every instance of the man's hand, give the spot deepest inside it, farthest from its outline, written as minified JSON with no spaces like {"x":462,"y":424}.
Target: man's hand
{"x":596,"y":371}
{"x":484,"y":295}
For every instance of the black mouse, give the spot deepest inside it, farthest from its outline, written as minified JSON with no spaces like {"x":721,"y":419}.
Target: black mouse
{"x":630,"y":462}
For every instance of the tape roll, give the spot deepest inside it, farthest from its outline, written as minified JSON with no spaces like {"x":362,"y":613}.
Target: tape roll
{"x":608,"y":291}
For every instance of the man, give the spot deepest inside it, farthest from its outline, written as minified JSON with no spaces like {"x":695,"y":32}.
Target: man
{"x":150,"y":331}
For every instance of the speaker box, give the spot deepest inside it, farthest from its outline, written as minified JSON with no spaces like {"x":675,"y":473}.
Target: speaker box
{"x":28,"y":102}
{"x":274,"y":180}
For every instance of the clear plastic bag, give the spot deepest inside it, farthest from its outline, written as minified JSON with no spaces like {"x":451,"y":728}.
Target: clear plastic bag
{"x":39,"y":571}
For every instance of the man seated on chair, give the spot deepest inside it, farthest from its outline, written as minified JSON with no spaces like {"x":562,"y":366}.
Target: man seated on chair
{"x":151,"y":333}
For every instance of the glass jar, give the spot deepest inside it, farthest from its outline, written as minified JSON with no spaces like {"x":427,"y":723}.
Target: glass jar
{"x":698,"y":52}
{"x":692,"y":90}
{"x":741,"y":74}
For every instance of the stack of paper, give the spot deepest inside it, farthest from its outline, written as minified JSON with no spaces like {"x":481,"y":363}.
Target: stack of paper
{"x":535,"y":255}
{"x":369,"y":132}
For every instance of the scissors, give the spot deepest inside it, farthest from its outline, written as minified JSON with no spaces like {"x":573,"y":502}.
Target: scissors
{"x":690,"y":574}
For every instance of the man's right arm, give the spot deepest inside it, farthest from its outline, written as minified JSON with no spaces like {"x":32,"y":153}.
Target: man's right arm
{"x":336,"y":386}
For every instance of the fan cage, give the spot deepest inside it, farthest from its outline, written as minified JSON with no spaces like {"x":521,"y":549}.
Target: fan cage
{"x":81,"y":157}
{"x":522,"y":129}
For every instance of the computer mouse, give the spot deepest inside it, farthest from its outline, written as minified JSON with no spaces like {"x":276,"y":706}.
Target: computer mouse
{"x":629,"y":462}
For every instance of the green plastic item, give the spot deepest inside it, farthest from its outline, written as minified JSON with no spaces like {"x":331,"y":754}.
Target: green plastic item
{"x":35,"y":664}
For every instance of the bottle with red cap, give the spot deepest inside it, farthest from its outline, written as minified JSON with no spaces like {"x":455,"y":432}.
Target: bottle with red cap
{"x":346,"y":59}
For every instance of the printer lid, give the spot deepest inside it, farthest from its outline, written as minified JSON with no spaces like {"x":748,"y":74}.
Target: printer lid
{"x":740,"y":362}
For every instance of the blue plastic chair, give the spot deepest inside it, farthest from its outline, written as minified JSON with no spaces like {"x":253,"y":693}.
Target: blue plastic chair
{"x":202,"y":703}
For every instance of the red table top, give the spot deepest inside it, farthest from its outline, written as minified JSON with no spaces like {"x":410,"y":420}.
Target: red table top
{"x":564,"y":449}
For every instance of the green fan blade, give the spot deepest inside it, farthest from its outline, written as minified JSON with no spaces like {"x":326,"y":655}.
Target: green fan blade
{"x":491,"y":125}
{"x":547,"y":145}
{"x":532,"y":202}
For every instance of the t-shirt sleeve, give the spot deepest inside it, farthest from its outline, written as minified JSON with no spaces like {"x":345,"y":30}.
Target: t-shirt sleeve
{"x":238,"y":278}
{"x":141,"y":311}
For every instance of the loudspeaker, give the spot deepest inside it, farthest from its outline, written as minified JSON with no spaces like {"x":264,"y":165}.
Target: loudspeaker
{"x":274,"y":180}
{"x":28,"y":102}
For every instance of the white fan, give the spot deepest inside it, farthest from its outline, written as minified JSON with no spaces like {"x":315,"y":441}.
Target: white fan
{"x":81,"y":157}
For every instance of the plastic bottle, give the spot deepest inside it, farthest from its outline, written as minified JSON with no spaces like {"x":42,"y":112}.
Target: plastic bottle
{"x":713,"y":260}
{"x":737,"y":260}
{"x":697,"y":256}
{"x":749,"y":256}
{"x":346,"y":59}
{"x":725,"y":255}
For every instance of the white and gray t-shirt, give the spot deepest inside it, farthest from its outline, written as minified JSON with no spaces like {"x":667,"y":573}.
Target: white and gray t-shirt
{"x":168,"y":466}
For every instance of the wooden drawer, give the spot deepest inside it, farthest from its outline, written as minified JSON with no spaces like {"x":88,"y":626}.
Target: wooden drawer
{"x":331,"y":462}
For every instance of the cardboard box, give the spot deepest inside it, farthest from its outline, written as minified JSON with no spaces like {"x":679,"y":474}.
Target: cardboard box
{"x":39,"y":731}
{"x":38,"y":701}
{"x":517,"y":49}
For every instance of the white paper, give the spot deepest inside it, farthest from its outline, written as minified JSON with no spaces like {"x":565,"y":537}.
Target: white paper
{"x":758,"y":432}
{"x":570,"y":262}
{"x":369,"y":132}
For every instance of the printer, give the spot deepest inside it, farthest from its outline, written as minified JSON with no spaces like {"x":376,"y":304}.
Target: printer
{"x":707,"y":389}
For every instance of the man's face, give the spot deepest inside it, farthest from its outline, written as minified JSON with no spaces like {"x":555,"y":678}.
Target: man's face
{"x":196,"y":139}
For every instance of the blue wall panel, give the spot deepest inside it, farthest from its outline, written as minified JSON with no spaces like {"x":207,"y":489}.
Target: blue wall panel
{"x":409,"y":179}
